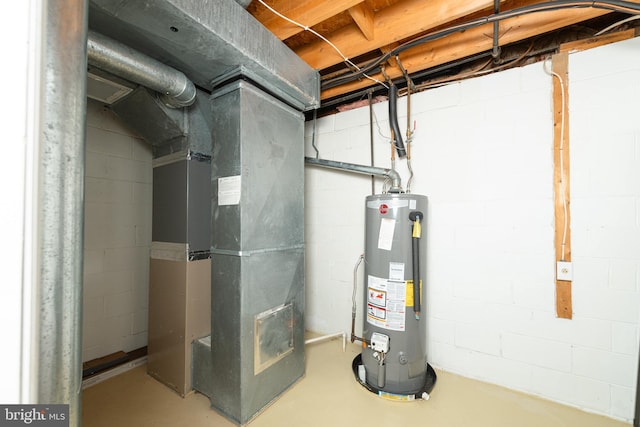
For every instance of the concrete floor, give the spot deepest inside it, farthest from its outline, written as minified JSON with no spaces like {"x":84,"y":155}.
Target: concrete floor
{"x":329,"y":395}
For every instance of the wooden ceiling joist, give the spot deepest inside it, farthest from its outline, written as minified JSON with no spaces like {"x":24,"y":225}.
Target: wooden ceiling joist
{"x":362,"y":29}
{"x":394,"y":23}
{"x":364,"y":17}
{"x":305,"y":12}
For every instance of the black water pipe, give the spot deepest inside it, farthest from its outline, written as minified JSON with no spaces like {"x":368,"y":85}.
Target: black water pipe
{"x":393,"y":120}
{"x":416,"y":217}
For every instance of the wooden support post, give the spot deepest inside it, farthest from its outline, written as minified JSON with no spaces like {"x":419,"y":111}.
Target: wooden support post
{"x":561,"y":179}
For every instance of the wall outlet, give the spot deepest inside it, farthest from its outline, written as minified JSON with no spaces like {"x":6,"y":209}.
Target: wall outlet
{"x":564,"y":271}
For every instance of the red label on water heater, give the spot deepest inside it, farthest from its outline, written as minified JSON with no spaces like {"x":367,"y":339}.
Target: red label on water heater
{"x":383,"y":209}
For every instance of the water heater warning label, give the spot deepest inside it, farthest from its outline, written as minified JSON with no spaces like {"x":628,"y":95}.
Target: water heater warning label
{"x":386,"y":302}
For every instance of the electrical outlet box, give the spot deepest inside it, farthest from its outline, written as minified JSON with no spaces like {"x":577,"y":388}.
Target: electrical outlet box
{"x":564,"y":271}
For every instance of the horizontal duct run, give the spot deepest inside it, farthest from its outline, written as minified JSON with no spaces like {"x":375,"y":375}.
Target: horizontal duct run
{"x":114,"y":57}
{"x":209,"y":41}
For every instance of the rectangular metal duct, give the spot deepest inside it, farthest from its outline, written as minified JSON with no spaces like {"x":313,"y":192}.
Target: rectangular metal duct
{"x":257,"y":265}
{"x":207,"y":39}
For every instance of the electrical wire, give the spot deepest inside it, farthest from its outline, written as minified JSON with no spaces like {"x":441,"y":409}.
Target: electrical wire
{"x":612,"y":5}
{"x":324,"y":39}
{"x":375,"y":118}
{"x":478,"y":71}
{"x":616,"y":24}
{"x":562,"y":183}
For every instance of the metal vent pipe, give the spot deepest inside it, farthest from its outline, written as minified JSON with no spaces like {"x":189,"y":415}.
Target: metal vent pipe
{"x":55,"y":242}
{"x":396,"y":181}
{"x":121,"y":60}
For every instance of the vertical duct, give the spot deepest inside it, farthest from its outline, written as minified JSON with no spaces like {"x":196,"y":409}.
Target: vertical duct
{"x":257,"y":264}
{"x":61,"y":204}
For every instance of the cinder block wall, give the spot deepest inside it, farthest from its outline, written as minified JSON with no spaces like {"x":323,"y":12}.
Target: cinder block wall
{"x":483,"y":155}
{"x":117,"y":236}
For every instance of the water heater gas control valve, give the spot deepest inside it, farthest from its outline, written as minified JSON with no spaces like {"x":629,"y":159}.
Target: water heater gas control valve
{"x":380,"y":342}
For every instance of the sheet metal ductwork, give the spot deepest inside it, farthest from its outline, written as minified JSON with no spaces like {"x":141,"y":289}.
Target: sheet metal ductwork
{"x":210,"y":42}
{"x":109,"y":55}
{"x":251,"y":91}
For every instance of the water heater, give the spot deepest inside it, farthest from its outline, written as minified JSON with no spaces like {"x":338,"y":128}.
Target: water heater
{"x":393,"y":362}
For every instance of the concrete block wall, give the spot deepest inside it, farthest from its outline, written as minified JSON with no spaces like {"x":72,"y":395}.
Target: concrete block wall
{"x":117,"y":236}
{"x":482,"y":153}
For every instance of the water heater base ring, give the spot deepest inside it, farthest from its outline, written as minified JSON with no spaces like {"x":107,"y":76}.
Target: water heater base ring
{"x":430,"y":382}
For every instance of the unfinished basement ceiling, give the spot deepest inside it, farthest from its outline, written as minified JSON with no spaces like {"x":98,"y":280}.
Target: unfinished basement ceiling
{"x":365,"y":30}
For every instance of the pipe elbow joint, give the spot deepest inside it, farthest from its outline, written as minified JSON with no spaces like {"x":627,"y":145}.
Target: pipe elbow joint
{"x":182,"y":97}
{"x":396,"y":181}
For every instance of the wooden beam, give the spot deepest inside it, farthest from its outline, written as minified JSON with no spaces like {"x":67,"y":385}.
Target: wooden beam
{"x":602,"y":40}
{"x":561,"y":175}
{"x":305,"y":12}
{"x":396,"y":22}
{"x":473,"y":41}
{"x":363,"y":16}
{"x":391,"y":62}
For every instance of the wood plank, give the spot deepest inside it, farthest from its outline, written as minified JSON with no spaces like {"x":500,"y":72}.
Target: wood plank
{"x":363,"y":16}
{"x":561,"y":179}
{"x":474,"y":41}
{"x":391,"y":62}
{"x":396,"y":22}
{"x":305,"y":12}
{"x":592,"y":42}
{"x":94,"y":366}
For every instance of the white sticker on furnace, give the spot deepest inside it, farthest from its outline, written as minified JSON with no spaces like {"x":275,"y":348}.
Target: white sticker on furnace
{"x":385,"y":236}
{"x":386,"y":303}
{"x":229,"y":190}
